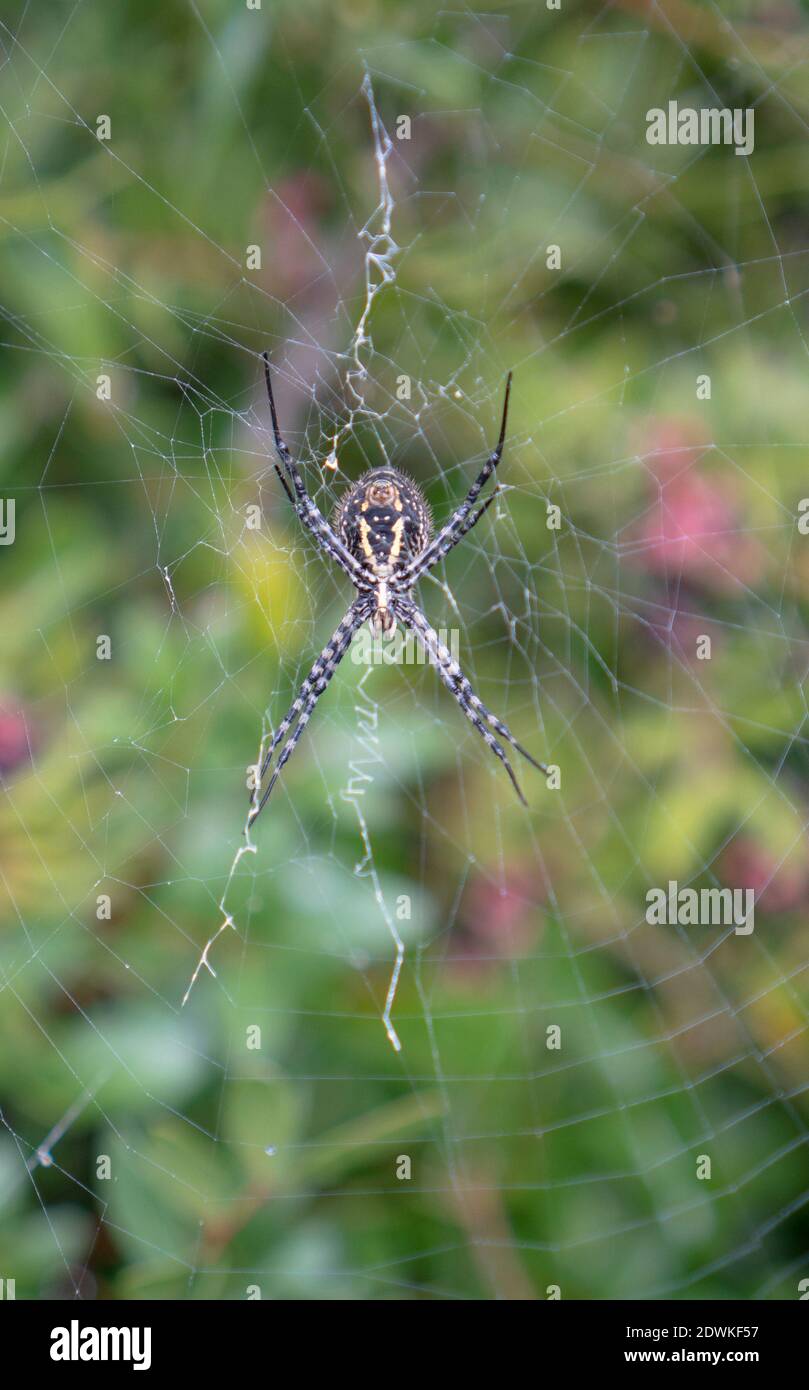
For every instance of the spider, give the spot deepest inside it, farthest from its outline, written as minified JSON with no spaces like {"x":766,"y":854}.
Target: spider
{"x":381,"y":535}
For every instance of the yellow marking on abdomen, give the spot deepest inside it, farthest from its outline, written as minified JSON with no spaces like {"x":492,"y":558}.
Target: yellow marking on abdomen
{"x":365,"y":532}
{"x":398,"y":531}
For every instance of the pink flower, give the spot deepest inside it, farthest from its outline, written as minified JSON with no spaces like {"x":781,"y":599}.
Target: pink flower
{"x":693,"y":528}
{"x":498,"y":921}
{"x":15,"y":748}
{"x":293,"y":217}
{"x":778,"y":887}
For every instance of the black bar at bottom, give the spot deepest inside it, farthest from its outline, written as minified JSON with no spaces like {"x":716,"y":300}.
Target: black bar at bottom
{"x":78,"y":1339}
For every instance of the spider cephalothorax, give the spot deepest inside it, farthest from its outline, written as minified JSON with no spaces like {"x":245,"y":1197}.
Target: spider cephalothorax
{"x":384,"y":522}
{"x":382,"y":537}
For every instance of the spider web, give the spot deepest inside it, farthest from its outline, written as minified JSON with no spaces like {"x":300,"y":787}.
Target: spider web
{"x":198,"y":1095}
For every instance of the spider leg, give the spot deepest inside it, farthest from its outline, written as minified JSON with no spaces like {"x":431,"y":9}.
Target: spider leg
{"x":466,"y":527}
{"x":471,"y":521}
{"x":454,"y":679}
{"x":347,"y":629}
{"x":307,"y":697}
{"x":307,"y":510}
{"x":449,"y":535}
{"x":284,"y":483}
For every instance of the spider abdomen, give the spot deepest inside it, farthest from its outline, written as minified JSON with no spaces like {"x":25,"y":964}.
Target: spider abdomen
{"x":384,"y":521}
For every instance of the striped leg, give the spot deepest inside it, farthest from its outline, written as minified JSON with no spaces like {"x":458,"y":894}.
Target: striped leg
{"x":471,"y":521}
{"x":450,"y":534}
{"x":455,"y":681}
{"x":308,"y":512}
{"x":307,"y":697}
{"x":468,"y":524}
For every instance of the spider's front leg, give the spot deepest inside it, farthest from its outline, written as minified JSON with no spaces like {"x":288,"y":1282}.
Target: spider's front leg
{"x":307,"y":510}
{"x":454,"y":679}
{"x":460,"y":522}
{"x":307,"y":697}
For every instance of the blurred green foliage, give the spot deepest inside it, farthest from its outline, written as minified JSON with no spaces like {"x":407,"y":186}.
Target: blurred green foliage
{"x":277,"y":1166}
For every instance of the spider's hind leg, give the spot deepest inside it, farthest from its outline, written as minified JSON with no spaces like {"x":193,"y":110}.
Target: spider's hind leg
{"x":300,"y":711}
{"x":473,"y":707}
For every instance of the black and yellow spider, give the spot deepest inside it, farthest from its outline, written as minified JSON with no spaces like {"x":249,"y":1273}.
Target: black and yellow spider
{"x":382,"y":536}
